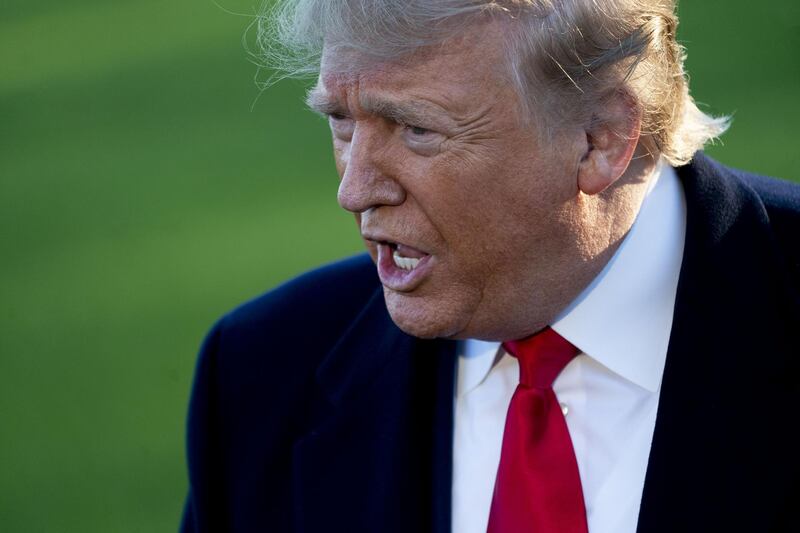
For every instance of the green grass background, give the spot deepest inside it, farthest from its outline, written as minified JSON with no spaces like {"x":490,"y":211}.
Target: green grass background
{"x":141,"y":197}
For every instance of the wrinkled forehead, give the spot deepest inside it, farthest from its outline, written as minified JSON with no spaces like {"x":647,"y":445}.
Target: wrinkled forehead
{"x":341,"y":67}
{"x":476,"y":57}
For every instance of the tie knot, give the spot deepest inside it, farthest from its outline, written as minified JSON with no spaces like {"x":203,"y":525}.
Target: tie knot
{"x":541,"y":357}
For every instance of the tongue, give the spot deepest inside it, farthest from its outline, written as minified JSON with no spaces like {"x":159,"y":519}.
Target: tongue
{"x":407,"y":251}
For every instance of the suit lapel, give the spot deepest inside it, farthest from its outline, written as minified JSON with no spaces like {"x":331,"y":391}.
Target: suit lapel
{"x":725,"y":395}
{"x":379,"y":454}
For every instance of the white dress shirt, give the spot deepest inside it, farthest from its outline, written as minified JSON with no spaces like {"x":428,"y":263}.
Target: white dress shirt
{"x":621,"y":323}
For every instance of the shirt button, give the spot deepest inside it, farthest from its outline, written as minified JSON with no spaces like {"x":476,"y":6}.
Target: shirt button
{"x":564,"y":409}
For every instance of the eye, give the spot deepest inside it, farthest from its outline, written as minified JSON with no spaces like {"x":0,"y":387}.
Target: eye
{"x":419,"y":134}
{"x":341,"y":125}
{"x":422,"y":140}
{"x":418,"y":131}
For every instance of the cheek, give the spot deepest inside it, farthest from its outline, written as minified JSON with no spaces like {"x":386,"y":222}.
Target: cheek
{"x":493,"y":228}
{"x":339,"y":156}
{"x":474,"y":217}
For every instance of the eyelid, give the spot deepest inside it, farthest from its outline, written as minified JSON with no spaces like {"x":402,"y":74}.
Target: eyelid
{"x":427,"y":144}
{"x":337,"y":115}
{"x":341,"y":125}
{"x":428,"y":131}
{"x":411,"y":128}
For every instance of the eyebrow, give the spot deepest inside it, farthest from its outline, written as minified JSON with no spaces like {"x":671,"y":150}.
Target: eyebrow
{"x":404,"y":112}
{"x":317,"y":100}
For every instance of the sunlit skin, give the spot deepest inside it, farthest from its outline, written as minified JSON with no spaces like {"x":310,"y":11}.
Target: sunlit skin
{"x":432,"y":154}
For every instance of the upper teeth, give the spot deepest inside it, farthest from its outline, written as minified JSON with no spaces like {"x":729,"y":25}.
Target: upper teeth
{"x":406,"y":263}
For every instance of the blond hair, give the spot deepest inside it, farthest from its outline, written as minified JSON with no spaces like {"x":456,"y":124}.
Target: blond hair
{"x":566,"y":57}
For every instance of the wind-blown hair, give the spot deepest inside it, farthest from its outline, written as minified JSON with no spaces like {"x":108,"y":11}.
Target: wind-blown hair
{"x":566,"y":57}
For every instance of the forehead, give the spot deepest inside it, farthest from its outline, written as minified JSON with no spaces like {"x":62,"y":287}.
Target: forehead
{"x":456,"y":72}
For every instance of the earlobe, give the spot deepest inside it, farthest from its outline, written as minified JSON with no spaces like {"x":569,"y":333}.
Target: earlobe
{"x":611,"y":142}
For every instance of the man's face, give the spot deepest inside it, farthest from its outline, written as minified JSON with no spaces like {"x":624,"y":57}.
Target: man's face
{"x":475,"y":227}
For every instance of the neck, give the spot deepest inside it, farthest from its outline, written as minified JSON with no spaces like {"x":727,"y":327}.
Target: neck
{"x":607,"y":219}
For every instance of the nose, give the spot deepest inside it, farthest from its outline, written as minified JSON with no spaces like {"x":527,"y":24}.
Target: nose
{"x":367,"y":177}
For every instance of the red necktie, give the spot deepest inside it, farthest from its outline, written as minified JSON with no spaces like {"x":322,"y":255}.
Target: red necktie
{"x":538,"y":487}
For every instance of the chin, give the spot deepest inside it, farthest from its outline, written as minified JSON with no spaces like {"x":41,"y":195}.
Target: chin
{"x":423,"y":317}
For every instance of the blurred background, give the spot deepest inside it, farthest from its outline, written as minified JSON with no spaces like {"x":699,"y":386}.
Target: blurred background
{"x":143,"y":193}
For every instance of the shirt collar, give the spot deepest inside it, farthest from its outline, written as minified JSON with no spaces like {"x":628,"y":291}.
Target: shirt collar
{"x":623,"y":319}
{"x":475,"y":360}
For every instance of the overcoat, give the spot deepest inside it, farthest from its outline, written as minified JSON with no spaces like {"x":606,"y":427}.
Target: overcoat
{"x":312,"y":412}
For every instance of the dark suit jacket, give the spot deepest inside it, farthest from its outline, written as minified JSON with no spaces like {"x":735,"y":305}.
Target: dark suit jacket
{"x":312,"y":412}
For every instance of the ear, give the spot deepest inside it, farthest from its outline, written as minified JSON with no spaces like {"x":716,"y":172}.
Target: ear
{"x":611,"y":141}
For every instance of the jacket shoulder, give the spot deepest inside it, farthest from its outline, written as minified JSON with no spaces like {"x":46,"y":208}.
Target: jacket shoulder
{"x":319,"y":299}
{"x":267,"y":350}
{"x":781,"y":200}
{"x":778,"y":198}
{"x":777,"y":195}
{"x":288,"y":330}
{"x":270,"y":347}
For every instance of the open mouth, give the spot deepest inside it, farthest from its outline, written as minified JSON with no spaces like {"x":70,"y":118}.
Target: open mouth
{"x":405,"y":257}
{"x":401,"y":267}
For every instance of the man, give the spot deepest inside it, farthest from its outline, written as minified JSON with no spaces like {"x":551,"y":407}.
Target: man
{"x":525,"y":173}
